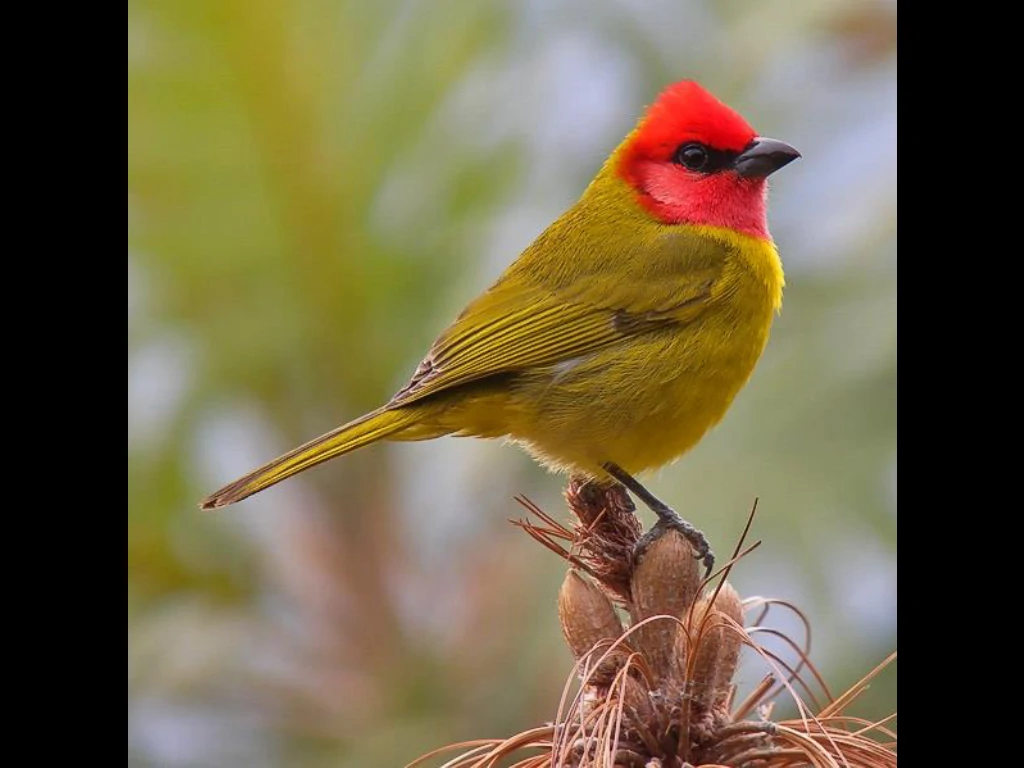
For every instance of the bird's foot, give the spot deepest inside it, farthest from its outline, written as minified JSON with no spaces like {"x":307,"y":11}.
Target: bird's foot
{"x":673,"y":522}
{"x":668,"y":519}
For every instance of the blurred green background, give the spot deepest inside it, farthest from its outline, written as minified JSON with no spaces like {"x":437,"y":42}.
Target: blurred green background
{"x":315,"y":188}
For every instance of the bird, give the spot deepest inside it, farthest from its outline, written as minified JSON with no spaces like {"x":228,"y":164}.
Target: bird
{"x":623,"y":333}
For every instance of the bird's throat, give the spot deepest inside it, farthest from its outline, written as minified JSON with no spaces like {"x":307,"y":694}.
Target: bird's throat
{"x":675,"y":196}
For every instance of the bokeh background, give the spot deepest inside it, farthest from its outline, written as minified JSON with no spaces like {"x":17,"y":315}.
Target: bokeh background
{"x":315,"y":188}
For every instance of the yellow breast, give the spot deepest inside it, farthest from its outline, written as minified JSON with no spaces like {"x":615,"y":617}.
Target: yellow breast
{"x":643,"y":403}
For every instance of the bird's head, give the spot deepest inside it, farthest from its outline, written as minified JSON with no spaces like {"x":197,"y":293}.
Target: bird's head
{"x":693,"y":160}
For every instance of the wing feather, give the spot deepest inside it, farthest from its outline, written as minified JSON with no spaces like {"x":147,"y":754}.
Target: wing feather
{"x":516,"y":325}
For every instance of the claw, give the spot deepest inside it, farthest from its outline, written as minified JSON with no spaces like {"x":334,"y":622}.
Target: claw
{"x":701,"y":547}
{"x":667,"y":518}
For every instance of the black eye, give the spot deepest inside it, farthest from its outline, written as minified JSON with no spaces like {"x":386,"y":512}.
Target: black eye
{"x":693,"y":156}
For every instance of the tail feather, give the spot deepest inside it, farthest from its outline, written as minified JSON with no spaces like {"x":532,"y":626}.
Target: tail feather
{"x":374,"y":426}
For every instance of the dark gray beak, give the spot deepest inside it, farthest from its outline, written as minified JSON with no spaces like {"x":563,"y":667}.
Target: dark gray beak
{"x":763,"y":157}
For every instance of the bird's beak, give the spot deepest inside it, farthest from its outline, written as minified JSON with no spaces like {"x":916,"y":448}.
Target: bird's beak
{"x":763,"y":157}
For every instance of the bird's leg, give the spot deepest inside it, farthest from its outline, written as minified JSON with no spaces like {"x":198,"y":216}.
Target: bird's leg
{"x":667,"y":517}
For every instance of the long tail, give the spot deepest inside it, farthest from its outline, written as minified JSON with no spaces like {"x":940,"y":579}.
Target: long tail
{"x":374,"y":426}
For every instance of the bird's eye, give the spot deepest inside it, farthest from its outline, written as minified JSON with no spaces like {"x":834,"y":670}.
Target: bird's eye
{"x":693,"y":156}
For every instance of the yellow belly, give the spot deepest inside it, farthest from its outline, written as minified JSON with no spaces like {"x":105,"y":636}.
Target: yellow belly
{"x":640,"y":405}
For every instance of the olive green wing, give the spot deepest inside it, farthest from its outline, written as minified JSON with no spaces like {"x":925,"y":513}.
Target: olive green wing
{"x":518,"y":325}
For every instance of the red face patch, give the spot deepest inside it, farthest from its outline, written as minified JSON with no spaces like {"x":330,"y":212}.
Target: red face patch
{"x":686,"y":113}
